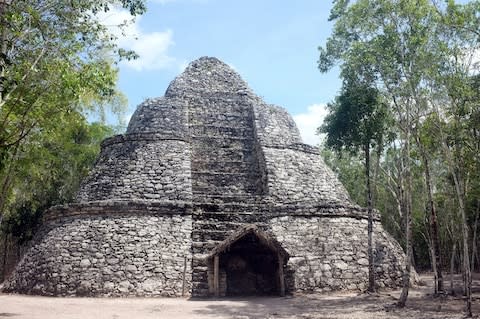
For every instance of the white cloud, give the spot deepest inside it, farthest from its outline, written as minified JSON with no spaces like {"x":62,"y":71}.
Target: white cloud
{"x":233,"y":67}
{"x":127,"y":117}
{"x":153,"y":51}
{"x":475,"y":61}
{"x":152,"y":47}
{"x":309,"y":121}
{"x":182,"y":66}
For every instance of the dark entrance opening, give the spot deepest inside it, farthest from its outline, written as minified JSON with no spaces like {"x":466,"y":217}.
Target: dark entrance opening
{"x":251,"y":268}
{"x":249,"y":262}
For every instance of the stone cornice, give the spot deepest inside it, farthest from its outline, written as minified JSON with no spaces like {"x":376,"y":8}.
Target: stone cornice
{"x":268,"y":209}
{"x":146,"y":136}
{"x":305,"y":148}
{"x":118,"y":207}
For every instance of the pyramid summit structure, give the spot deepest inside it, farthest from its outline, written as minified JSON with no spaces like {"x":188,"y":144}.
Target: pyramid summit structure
{"x":209,"y":192}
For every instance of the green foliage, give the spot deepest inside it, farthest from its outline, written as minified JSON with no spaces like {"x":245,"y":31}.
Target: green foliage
{"x":57,"y":67}
{"x":357,"y":119}
{"x":49,"y":173}
{"x":56,"y":58}
{"x":420,"y":57}
{"x":349,"y":170}
{"x":23,"y":222}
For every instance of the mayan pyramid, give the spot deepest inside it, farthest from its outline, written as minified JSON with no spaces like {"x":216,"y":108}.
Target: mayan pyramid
{"x":209,"y":192}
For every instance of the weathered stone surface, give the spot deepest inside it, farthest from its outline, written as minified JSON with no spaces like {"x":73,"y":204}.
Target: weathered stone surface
{"x":193,"y":167}
{"x":331,"y":254}
{"x":140,"y":169}
{"x":126,"y":260}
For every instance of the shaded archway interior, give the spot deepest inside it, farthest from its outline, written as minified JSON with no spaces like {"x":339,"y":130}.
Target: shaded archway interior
{"x":251,"y":268}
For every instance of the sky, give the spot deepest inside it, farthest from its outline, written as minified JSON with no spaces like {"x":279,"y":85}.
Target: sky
{"x":273,"y":45}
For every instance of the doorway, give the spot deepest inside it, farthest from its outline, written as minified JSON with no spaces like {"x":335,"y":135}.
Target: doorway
{"x":251,"y":268}
{"x":248,"y":263}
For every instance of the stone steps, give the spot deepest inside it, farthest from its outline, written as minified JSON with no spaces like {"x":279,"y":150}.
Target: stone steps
{"x":216,"y":126}
{"x":215,"y":119}
{"x":221,"y":131}
{"x":201,"y":235}
{"x":228,"y":156}
{"x":226,"y":227}
{"x":235,"y":166}
{"x":227,"y":199}
{"x":211,"y":235}
{"x":212,"y":108}
{"x":218,"y":119}
{"x":223,"y":146}
{"x":212,"y":227}
{"x":207,"y":144}
{"x":204,"y":247}
{"x":226,"y":190}
{"x":218,"y":186}
{"x":225,"y":156}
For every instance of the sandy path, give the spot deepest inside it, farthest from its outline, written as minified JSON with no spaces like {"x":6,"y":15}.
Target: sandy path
{"x":339,"y":305}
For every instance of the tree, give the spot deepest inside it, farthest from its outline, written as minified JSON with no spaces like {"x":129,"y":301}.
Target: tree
{"x":456,"y":108}
{"x":379,"y":39}
{"x":408,"y":48}
{"x":56,"y":59}
{"x":426,"y":144}
{"x":358,"y":121}
{"x":49,"y":173}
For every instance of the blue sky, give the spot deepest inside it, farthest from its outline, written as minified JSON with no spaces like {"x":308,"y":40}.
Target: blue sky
{"x":272,"y":44}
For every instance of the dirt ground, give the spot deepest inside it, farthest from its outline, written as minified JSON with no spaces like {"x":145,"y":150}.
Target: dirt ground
{"x":328,"y":306}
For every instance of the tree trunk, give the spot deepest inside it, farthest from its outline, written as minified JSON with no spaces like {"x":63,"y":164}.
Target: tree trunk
{"x":474,"y":240}
{"x":466,"y":265}
{"x":376,"y":170}
{"x":408,"y":222}
{"x":5,"y":255}
{"x":216,"y":269}
{"x":436,"y":262}
{"x":434,"y":268}
{"x":459,"y":189}
{"x":452,"y":268}
{"x":406,"y":273}
{"x":456,"y":168}
{"x":371,"y":268}
{"x":3,"y":47}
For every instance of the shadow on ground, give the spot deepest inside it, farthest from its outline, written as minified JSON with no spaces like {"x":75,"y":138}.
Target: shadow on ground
{"x":421,"y":304}
{"x":298,"y":306}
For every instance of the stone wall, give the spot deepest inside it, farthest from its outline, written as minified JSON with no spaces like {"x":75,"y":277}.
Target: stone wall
{"x":274,"y":126}
{"x":331,"y":253}
{"x":207,"y":75}
{"x":194,"y":166}
{"x":108,"y":255}
{"x":160,"y":115}
{"x":301,"y":176}
{"x":290,"y":170}
{"x":140,"y":167}
{"x":213,"y":223}
{"x":224,"y":161}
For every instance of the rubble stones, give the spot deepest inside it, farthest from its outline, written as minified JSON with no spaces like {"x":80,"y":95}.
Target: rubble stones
{"x":121,"y":271}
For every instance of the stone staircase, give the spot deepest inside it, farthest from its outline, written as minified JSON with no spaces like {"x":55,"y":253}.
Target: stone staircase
{"x":223,"y":155}
{"x":212,"y":224}
{"x":225,"y":177}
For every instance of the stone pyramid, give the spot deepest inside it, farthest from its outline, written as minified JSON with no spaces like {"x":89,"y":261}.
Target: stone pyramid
{"x":209,"y":192}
